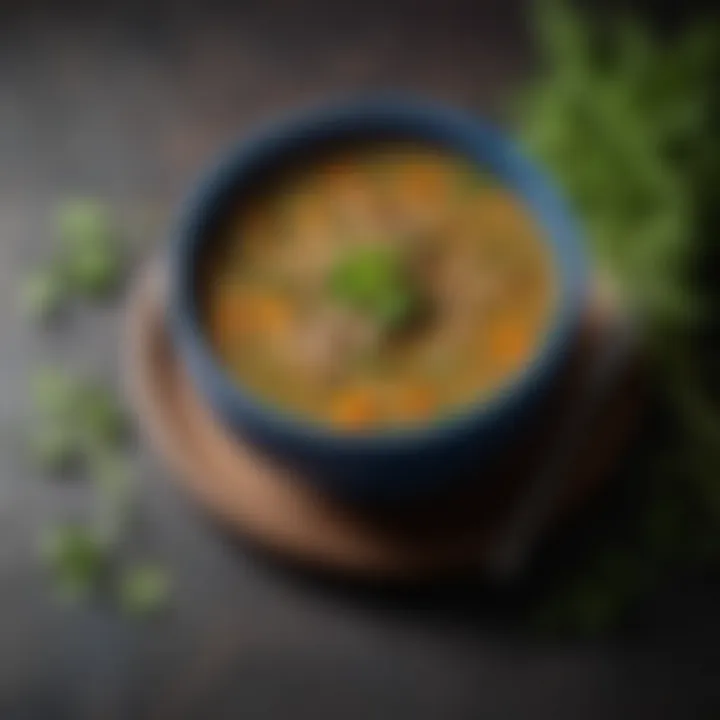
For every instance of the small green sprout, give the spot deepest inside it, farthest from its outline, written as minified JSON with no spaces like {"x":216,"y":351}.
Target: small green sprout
{"x":43,"y":294}
{"x":83,"y":223}
{"x":53,"y":392}
{"x":92,"y":257}
{"x":94,"y":270}
{"x":102,"y":420}
{"x":110,"y":472}
{"x":144,"y":590}
{"x":54,"y":447}
{"x":77,"y":559}
{"x":74,"y":420}
{"x":372,"y":279}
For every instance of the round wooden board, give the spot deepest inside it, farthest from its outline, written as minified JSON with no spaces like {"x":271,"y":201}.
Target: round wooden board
{"x":254,"y":495}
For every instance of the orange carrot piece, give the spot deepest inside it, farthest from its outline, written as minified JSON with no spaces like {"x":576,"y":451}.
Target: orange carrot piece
{"x":354,"y":408}
{"x":415,"y":401}
{"x":425,"y":181}
{"x":232,"y":317}
{"x":509,"y":342}
{"x":273,"y":314}
{"x":240,"y":313}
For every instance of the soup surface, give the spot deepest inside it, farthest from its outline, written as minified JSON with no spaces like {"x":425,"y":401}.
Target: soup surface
{"x":378,"y":286}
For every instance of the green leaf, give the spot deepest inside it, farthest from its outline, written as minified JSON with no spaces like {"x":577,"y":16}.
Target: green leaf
{"x":77,"y":559}
{"x":624,"y":120}
{"x":73,"y":420}
{"x":563,"y":37}
{"x":95,"y":270}
{"x":84,"y":223}
{"x":54,"y":392}
{"x":102,"y":420}
{"x":43,"y":294}
{"x":371,"y":279}
{"x":92,"y":257}
{"x":112,"y":476}
{"x":54,"y":446}
{"x":144,"y":590}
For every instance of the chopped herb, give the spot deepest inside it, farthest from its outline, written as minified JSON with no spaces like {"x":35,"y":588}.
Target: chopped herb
{"x":144,"y":590}
{"x":54,"y":446}
{"x":78,"y":421}
{"x":111,"y":474}
{"x":77,"y":559}
{"x":43,"y":294}
{"x":372,"y":280}
{"x":92,"y":259}
{"x":84,"y":223}
{"x":103,"y":420}
{"x":53,"y":393}
{"x":95,"y":270}
{"x":73,"y":419}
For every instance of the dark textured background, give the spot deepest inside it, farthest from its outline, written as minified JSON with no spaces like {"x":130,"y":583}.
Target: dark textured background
{"x":129,"y":100}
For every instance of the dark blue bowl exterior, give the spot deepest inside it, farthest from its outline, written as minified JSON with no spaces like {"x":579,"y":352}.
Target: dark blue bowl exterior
{"x":395,"y":465}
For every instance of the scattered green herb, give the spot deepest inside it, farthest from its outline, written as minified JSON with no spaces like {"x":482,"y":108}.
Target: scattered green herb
{"x":84,"y":223}
{"x":94,"y":270}
{"x":43,"y":294}
{"x":53,"y":392}
{"x":78,"y":561}
{"x":91,"y":252}
{"x":73,"y":419}
{"x":112,"y":476}
{"x":79,"y":422}
{"x":102,"y":420}
{"x":144,"y":590}
{"x":89,"y":262}
{"x":54,"y":447}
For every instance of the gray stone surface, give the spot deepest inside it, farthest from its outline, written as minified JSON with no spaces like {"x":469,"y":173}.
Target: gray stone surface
{"x":129,"y":100}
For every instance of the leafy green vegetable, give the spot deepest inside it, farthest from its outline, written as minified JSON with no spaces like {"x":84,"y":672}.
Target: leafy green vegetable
{"x":372,"y":279}
{"x":54,"y":442}
{"x":100,"y":416}
{"x":79,"y":422}
{"x":95,"y":270}
{"x":43,"y":294}
{"x":73,"y":420}
{"x":112,"y":476}
{"x":92,"y":257}
{"x":83,"y":223}
{"x":53,"y":392}
{"x":78,"y":560}
{"x":609,"y":117}
{"x":54,"y":447}
{"x":90,"y":261}
{"x":144,"y":590}
{"x":627,"y":123}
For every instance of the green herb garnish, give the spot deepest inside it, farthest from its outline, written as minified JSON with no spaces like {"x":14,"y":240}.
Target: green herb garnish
{"x":91,"y":258}
{"x":79,"y":422}
{"x":90,"y":261}
{"x":78,"y":560}
{"x":373,"y":280}
{"x":54,"y":446}
{"x":144,"y":590}
{"x":43,"y":294}
{"x":73,"y":419}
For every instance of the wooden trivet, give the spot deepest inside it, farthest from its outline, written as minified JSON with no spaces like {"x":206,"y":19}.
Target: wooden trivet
{"x":457,"y":532}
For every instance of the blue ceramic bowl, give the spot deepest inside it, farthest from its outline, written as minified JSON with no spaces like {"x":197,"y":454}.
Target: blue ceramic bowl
{"x":383,"y":466}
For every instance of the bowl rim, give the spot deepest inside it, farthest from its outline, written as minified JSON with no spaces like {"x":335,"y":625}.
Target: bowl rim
{"x":404,"y":116}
